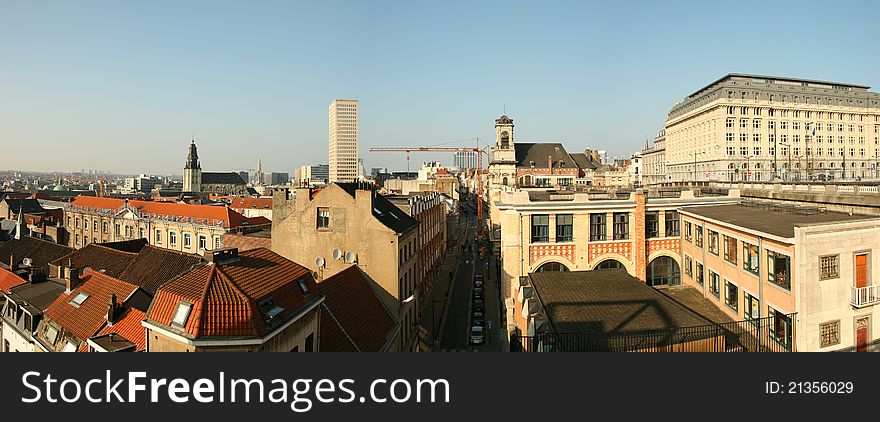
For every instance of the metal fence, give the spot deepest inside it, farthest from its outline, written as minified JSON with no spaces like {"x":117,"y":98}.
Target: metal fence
{"x":769,"y":334}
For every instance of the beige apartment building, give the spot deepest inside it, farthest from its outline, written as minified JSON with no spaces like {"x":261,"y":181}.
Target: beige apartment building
{"x":562,"y":232}
{"x":343,"y":140}
{"x":811,"y":271}
{"x":179,"y":227}
{"x":742,"y":127}
{"x":330,"y":229}
{"x":654,"y":161}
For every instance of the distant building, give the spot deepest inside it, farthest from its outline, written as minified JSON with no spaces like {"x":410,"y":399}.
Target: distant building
{"x":343,"y":141}
{"x":755,"y":128}
{"x":313,"y":175}
{"x":465,"y":159}
{"x":181,"y":227}
{"x":195,"y":180}
{"x":654,"y":161}
{"x":276,"y":179}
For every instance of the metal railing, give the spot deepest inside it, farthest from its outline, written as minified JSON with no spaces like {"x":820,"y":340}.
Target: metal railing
{"x":754,"y":335}
{"x":865,"y":296}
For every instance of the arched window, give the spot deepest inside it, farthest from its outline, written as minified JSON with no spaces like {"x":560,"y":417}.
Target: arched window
{"x":663,"y":270}
{"x":505,"y":140}
{"x":552,"y":267}
{"x":504,"y":181}
{"x":610,"y":264}
{"x":527,"y":180}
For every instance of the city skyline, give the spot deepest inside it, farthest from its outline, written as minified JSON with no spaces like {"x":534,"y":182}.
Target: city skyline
{"x":144,"y":79}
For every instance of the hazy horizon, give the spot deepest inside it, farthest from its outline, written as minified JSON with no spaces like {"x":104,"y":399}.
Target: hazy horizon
{"x":124,"y":87}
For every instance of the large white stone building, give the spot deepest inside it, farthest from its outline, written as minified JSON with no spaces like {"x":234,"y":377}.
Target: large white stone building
{"x":344,"y":140}
{"x":743,"y":127}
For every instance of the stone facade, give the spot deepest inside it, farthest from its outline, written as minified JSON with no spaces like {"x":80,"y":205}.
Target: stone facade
{"x":741,"y":127}
{"x":389,"y":257}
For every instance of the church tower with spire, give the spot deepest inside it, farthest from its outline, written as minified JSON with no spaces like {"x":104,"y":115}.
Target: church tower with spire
{"x":192,"y":172}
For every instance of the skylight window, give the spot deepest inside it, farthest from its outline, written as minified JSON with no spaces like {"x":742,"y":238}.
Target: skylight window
{"x":182,"y":314}
{"x":302,"y":285}
{"x":79,"y":299}
{"x":376,"y":210}
{"x":51,"y":334}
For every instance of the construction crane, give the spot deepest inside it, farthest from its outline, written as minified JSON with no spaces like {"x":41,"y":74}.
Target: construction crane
{"x":477,"y":149}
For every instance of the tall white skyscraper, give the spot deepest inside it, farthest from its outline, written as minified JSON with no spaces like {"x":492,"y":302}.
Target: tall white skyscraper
{"x":343,"y":140}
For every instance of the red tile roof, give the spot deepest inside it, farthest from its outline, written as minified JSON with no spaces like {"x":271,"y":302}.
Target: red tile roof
{"x":9,"y":280}
{"x":362,"y":318}
{"x":252,"y":203}
{"x":203,"y":214}
{"x":84,"y":321}
{"x":129,"y":327}
{"x":225,"y":295}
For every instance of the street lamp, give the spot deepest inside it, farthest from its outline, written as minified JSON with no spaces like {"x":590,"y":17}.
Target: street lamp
{"x":694,"y":178}
{"x":435,"y":324}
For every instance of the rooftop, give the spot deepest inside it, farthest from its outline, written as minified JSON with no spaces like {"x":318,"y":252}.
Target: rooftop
{"x":244,"y":297}
{"x":774,"y":220}
{"x":40,"y":251}
{"x":539,"y":153}
{"x":153,"y":267}
{"x":806,"y":82}
{"x":38,"y":296}
{"x":205,"y":214}
{"x":605,"y":303}
{"x":354,"y":318}
{"x":8,"y":280}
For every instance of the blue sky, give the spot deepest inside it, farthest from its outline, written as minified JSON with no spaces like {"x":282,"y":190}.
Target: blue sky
{"x":121,"y":86}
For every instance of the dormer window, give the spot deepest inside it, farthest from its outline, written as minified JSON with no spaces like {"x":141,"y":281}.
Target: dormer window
{"x":182,"y":314}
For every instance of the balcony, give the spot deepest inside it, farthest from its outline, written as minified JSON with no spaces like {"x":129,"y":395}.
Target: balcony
{"x":865,"y":296}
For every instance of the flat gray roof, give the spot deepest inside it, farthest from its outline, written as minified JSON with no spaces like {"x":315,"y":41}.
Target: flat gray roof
{"x":774,"y":221}
{"x":776,"y":78}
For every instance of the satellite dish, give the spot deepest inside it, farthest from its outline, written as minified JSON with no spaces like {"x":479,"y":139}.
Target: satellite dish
{"x":320,"y":262}
{"x":350,"y":257}
{"x":26,"y":262}
{"x":337,"y":253}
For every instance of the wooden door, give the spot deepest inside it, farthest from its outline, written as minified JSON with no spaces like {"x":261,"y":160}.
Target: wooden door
{"x":862,"y":270}
{"x":862,"y":335}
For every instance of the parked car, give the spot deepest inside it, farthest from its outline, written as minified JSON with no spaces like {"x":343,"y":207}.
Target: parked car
{"x":478,"y":283}
{"x":478,"y":305}
{"x":477,"y":335}
{"x":477,"y":319}
{"x":478,"y":293}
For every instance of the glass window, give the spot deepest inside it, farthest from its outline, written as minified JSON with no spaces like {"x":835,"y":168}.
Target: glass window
{"x":172,"y":238}
{"x":203,"y":242}
{"x":158,"y":236}
{"x":714,"y":284}
{"x":597,"y":227}
{"x":187,"y":240}
{"x":731,"y":295}
{"x":698,"y":236}
{"x":672,"y":229}
{"x":564,"y":228}
{"x":780,"y":328}
{"x":652,"y":224}
{"x":181,"y":314}
{"x":323,"y":218}
{"x":688,"y":231}
{"x":310,"y":343}
{"x":752,"y":307}
{"x":540,"y":228}
{"x":779,"y":269}
{"x":688,"y":266}
{"x":830,"y":333}
{"x":751,"y":261}
{"x":730,"y":249}
{"x":713,"y":242}
{"x":698,"y":277}
{"x":621,"y":226}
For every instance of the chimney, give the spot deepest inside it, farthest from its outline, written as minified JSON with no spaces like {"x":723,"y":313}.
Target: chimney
{"x":112,"y":310}
{"x":12,"y":264}
{"x":221,"y":256}
{"x":550,"y":163}
{"x":71,"y":279}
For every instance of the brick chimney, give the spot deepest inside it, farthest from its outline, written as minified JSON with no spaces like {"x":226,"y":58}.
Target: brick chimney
{"x":12,"y":266}
{"x":641,"y":243}
{"x":112,"y":310}
{"x":71,"y":279}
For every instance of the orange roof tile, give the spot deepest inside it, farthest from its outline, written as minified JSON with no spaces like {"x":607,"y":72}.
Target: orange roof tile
{"x":225,"y":296}
{"x":129,"y":326}
{"x":203,"y":214}
{"x":358,"y":320}
{"x":251,"y":203}
{"x":9,"y":280}
{"x":84,"y":321}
